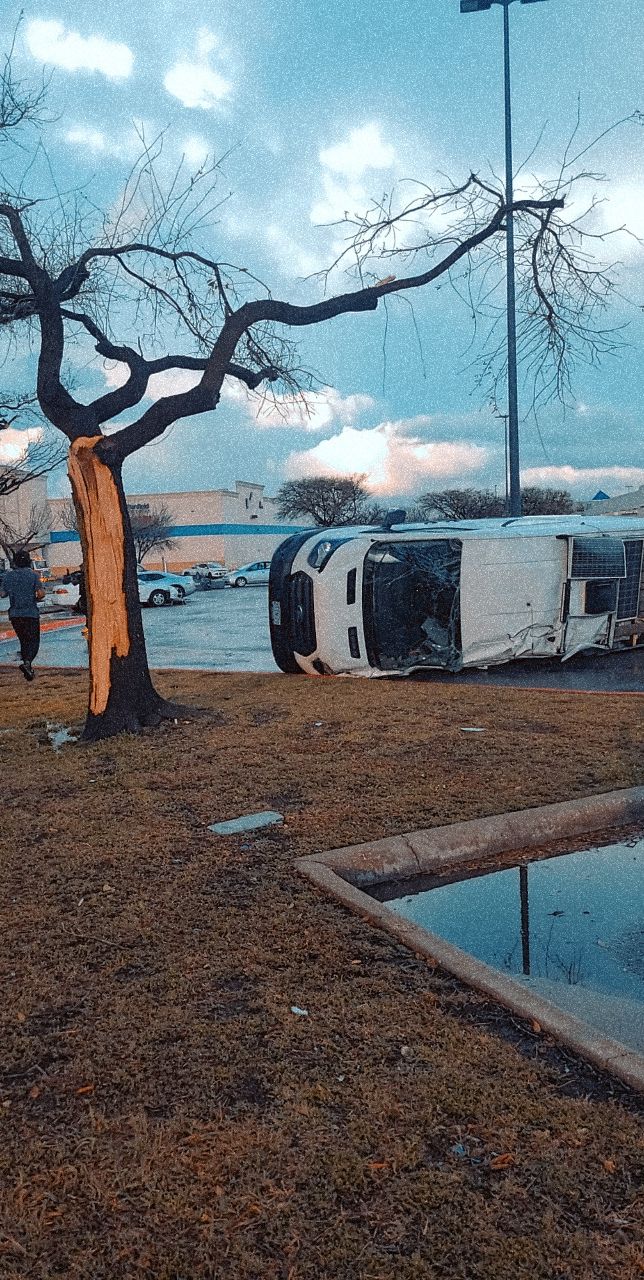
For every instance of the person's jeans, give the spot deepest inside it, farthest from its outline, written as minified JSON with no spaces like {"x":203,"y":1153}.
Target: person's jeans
{"x":28,"y":633}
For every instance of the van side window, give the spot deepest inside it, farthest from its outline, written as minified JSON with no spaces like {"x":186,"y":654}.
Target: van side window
{"x":601,"y":596}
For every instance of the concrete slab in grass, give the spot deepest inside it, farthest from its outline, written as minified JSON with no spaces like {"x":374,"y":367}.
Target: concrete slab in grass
{"x":248,"y":822}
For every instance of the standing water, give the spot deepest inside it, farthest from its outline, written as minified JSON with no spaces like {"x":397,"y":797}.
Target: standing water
{"x":570,"y":927}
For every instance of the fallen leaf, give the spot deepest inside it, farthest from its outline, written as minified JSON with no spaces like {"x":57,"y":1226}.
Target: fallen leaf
{"x":609,"y":1166}
{"x":34,"y":1092}
{"x":504,"y":1161}
{"x":86,"y":1088}
{"x":22,"y":1017}
{"x":536,"y":1026}
{"x":377,"y":1164}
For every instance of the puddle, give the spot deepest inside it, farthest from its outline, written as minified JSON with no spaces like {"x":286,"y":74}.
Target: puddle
{"x":570,"y":927}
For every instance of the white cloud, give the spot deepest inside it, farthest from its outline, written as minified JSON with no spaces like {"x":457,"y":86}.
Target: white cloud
{"x":343,"y":169}
{"x":312,"y":411}
{"x":363,"y":149}
{"x":621,"y":479}
{"x":49,"y":41}
{"x":292,"y":257}
{"x":14,"y":443}
{"x":171,"y":382}
{"x":194,"y":82}
{"x":195,"y":151}
{"x":129,"y":144}
{"x":89,"y":139}
{"x":393,"y":457}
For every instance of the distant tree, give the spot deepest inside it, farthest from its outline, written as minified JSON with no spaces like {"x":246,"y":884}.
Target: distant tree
{"x":150,"y":530}
{"x":150,"y":526}
{"x":328,"y":500}
{"x":461,"y":504}
{"x":38,"y":454}
{"x":536,"y":501}
{"x":27,"y":536}
{"x":480,"y":504}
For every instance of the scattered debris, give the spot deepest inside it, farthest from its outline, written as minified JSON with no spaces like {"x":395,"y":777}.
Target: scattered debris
{"x":300,"y":1013}
{"x":59,"y":735}
{"x":248,"y":822}
{"x":470,"y":728}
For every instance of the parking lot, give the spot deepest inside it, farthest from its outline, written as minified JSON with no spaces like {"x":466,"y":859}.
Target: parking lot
{"x":227,"y":630}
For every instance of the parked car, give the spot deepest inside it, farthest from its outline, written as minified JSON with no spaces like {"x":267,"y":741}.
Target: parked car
{"x":394,"y":598}
{"x":250,"y":574}
{"x":211,"y":569}
{"x":60,"y":594}
{"x":162,"y":588}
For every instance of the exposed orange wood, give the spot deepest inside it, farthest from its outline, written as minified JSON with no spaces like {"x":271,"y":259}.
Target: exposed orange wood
{"x":102,"y":536}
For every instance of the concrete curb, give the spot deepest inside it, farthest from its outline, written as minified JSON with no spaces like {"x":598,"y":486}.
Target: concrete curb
{"x":341,"y":871}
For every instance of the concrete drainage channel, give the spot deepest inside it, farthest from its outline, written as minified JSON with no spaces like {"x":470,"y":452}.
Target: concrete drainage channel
{"x":351,"y":872}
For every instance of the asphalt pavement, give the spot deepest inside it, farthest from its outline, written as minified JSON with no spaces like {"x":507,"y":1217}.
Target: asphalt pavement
{"x":227,"y":630}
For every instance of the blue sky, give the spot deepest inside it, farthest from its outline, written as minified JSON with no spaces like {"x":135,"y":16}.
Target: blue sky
{"x":323,"y":107}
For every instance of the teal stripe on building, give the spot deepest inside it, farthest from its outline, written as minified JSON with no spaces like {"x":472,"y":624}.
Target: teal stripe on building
{"x":201,"y":530}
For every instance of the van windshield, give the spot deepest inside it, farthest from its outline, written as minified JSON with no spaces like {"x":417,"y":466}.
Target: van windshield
{"x":411,"y":604}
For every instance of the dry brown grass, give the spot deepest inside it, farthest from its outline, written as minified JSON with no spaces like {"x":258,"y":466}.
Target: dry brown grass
{"x":166,"y":1115}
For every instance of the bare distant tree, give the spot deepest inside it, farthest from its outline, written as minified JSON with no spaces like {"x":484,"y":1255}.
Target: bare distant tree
{"x":39,"y":458}
{"x":537,"y":501}
{"x":28,"y":536}
{"x":460,"y":504}
{"x":144,"y":281}
{"x":328,"y":500}
{"x":479,"y":504}
{"x":150,"y":530}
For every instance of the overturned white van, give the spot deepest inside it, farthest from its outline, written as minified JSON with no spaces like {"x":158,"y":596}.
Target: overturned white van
{"x":465,"y":593}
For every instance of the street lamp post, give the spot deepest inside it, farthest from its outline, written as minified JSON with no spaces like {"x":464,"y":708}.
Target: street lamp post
{"x":475,"y":6}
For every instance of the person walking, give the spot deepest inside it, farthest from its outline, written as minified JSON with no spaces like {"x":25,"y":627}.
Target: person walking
{"x":24,"y":589}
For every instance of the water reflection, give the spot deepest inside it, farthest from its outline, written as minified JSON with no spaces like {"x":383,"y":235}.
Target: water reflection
{"x":570,"y":926}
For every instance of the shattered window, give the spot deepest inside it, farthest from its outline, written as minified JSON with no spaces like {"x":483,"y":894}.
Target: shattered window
{"x":601,"y":597}
{"x":411,"y":604}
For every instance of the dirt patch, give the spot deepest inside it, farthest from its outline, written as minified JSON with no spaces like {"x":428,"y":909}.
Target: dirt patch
{"x":164,"y":1111}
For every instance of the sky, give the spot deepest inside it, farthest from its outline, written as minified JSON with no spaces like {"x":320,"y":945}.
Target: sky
{"x":321,"y":109}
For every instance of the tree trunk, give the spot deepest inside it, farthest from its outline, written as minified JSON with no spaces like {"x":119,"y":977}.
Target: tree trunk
{"x":122,"y":697}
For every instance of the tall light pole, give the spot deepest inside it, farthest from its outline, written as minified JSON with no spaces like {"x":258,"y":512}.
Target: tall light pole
{"x":474,"y":6}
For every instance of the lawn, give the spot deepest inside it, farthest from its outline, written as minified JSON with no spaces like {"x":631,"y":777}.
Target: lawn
{"x":165,"y":1114}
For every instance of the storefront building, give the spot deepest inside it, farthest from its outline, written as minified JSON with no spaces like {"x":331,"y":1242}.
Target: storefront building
{"x":233,"y":526}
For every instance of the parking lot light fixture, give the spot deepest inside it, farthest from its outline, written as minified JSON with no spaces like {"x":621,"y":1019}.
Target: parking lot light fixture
{"x":474,"y":6}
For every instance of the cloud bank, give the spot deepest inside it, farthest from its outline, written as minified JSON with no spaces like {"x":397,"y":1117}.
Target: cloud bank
{"x":49,"y":41}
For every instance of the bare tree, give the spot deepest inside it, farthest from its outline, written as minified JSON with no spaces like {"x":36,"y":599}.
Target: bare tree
{"x":460,"y":504}
{"x":28,"y":535}
{"x":480,"y":504}
{"x":151,"y":529}
{"x":327,"y":500}
{"x":39,"y":458}
{"x":149,"y":268}
{"x":537,"y":501}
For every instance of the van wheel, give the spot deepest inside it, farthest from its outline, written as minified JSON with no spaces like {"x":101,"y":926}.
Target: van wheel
{"x":157,"y":598}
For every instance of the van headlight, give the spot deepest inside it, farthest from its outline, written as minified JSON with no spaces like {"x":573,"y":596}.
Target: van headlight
{"x":321,"y":553}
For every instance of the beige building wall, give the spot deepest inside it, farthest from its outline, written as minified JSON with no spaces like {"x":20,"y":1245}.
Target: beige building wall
{"x":246,"y":515}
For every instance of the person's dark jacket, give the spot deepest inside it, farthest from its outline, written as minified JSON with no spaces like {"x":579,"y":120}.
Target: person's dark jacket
{"x":22,"y":586}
